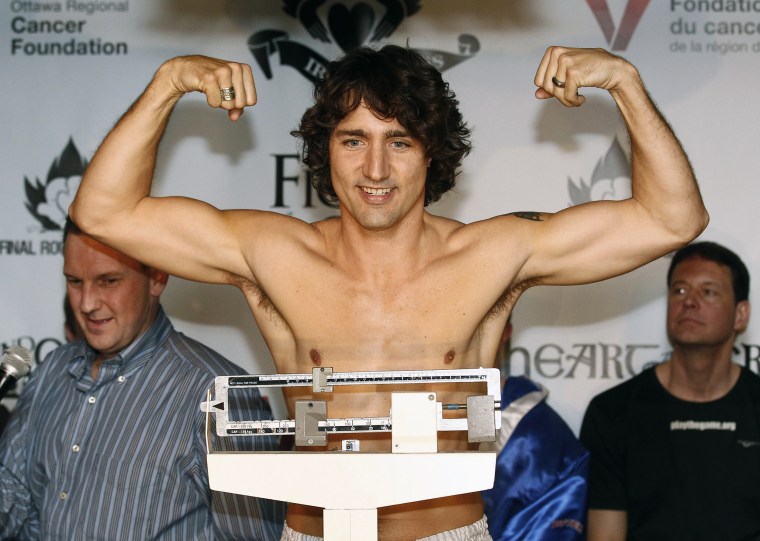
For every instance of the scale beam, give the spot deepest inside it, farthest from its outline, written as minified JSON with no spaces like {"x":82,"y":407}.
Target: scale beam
{"x":483,"y":412}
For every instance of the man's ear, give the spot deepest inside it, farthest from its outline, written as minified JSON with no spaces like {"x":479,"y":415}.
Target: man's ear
{"x":158,"y":279}
{"x":741,"y":316}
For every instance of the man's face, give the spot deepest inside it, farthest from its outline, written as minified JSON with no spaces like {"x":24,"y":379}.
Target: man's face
{"x":113,"y":297}
{"x":378,"y":170}
{"x":701,"y":307}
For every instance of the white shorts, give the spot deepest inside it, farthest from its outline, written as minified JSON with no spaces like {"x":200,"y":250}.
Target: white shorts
{"x":477,"y":531}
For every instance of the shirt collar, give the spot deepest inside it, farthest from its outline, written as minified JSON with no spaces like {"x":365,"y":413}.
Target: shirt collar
{"x":128,"y":361}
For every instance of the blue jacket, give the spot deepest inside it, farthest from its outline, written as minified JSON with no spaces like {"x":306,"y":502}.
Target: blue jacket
{"x":539,"y":491}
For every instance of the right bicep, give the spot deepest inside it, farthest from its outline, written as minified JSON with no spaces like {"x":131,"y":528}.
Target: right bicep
{"x":184,"y":237}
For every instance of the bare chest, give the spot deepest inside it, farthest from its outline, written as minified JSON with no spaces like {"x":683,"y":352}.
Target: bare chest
{"x":424,"y":322}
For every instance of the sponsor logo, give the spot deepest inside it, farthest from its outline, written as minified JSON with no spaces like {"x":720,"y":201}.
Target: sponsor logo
{"x":37,"y":28}
{"x":701,"y":426}
{"x":618,"y":36}
{"x":747,"y":444}
{"x":49,"y":202}
{"x":568,"y":523}
{"x":347,"y":27}
{"x":610,"y":180}
{"x":600,"y":361}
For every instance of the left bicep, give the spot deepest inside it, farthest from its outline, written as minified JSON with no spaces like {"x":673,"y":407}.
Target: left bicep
{"x":595,"y":241}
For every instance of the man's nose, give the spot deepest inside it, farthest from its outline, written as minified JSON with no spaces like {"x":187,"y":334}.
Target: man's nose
{"x":376,"y":165}
{"x":691,"y":299}
{"x":90,"y":300}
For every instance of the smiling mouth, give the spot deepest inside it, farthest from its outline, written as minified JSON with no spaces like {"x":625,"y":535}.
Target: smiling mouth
{"x":376,"y":191}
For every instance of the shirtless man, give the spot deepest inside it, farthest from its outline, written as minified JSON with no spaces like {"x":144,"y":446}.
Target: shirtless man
{"x":387,"y":285}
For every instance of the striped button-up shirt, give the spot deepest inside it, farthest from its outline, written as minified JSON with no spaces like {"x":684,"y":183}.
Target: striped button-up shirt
{"x":122,"y":457}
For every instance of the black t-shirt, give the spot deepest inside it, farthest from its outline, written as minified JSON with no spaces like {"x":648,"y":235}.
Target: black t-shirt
{"x":682,"y":470}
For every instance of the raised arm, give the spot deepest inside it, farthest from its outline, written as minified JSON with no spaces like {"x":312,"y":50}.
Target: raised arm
{"x":598,"y":240}
{"x":113,"y":204}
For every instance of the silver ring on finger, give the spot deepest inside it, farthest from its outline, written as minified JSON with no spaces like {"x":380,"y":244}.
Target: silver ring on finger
{"x":227,"y":93}
{"x":556,"y":82}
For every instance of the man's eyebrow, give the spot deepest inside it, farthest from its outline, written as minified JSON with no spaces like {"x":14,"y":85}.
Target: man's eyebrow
{"x":702,"y":283}
{"x":396,"y":133}
{"x":358,"y":132}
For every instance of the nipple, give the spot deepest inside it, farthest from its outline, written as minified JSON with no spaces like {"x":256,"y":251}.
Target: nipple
{"x":449,"y":357}
{"x":315,"y":358}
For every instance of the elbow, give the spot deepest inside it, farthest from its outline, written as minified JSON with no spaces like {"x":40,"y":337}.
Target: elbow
{"x":692,"y":228}
{"x":705,"y":220}
{"x":77,"y":216}
{"x":85,"y":221}
{"x":700,"y":224}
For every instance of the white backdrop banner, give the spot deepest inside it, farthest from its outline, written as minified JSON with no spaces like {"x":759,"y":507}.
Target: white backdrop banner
{"x":71,"y":68}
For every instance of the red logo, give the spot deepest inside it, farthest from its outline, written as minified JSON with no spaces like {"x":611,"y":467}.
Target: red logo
{"x":618,"y":38}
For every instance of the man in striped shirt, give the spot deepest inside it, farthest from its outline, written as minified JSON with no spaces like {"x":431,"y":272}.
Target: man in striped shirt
{"x":107,"y":440}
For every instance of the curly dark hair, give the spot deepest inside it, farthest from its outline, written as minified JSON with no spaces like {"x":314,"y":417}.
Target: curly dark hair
{"x":394,"y":82}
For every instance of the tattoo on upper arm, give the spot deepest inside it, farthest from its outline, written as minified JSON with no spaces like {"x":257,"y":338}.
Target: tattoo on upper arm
{"x":535,"y":216}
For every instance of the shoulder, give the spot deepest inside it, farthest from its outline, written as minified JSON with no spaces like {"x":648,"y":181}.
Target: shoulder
{"x":194,"y":356}
{"x":751,"y":381}
{"x":518,"y":222}
{"x":504,"y":242}
{"x":750,"y":377}
{"x":57,"y":361}
{"x":608,"y":410}
{"x":51,"y":375}
{"x":627,"y":390}
{"x":263,"y":231}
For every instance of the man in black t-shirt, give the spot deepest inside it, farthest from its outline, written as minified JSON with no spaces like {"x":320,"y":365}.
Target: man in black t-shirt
{"x":675,"y":451}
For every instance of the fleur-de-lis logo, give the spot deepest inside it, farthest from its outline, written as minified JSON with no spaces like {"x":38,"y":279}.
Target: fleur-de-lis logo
{"x":610,"y":180}
{"x":49,"y":202}
{"x":354,"y":26}
{"x":348,"y":27}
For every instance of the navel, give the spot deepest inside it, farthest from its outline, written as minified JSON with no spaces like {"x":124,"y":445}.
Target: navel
{"x":449,"y":357}
{"x":315,"y":357}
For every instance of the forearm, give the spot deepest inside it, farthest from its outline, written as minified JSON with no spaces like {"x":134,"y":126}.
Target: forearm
{"x":121,"y":172}
{"x":666,"y":210}
{"x":662,"y":179}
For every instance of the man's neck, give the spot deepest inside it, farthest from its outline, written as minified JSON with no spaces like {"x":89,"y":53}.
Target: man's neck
{"x":699,"y":375}
{"x":374,"y":253}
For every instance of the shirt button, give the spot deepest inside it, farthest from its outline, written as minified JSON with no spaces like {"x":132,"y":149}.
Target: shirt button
{"x":91,"y":400}
{"x":63,"y":496}
{"x":122,"y":379}
{"x":75,"y":448}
